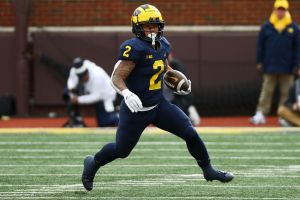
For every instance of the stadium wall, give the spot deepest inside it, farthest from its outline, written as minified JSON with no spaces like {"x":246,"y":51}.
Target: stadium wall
{"x":220,"y":60}
{"x":220,"y":65}
{"x":118,"y":12}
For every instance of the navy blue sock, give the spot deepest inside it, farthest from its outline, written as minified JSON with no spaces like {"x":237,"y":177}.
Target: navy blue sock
{"x":198,"y":150}
{"x":107,"y":154}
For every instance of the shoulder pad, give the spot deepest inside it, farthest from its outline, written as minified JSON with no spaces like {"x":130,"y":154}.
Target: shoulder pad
{"x":135,"y":43}
{"x":164,"y":40}
{"x":165,"y":43}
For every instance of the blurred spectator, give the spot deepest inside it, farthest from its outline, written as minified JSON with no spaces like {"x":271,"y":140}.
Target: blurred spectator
{"x":289,"y":113}
{"x":90,"y":84}
{"x":184,"y":102}
{"x":277,"y":58}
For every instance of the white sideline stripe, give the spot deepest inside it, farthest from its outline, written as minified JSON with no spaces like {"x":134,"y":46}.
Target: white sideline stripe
{"x":160,"y":157}
{"x":151,"y":130}
{"x":156,"y":150}
{"x":152,"y":143}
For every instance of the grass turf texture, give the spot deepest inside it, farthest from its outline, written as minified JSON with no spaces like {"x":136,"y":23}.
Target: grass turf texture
{"x":49,"y":166}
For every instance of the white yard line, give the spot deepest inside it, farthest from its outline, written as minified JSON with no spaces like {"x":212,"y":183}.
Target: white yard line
{"x":152,"y":165}
{"x":164,"y":181}
{"x":196,"y":176}
{"x":153,"y":184}
{"x":35,"y":192}
{"x":151,"y":143}
{"x":37,"y":185}
{"x":159,"y":150}
{"x":162,"y":157}
{"x":171,"y":197}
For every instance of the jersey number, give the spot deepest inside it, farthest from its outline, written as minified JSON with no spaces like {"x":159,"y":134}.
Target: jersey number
{"x":126,"y":52}
{"x":158,"y":64}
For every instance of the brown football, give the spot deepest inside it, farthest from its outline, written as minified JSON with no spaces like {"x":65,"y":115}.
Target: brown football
{"x":176,"y":80}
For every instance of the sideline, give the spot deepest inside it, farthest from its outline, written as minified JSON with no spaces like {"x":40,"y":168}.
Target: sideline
{"x":150,"y":130}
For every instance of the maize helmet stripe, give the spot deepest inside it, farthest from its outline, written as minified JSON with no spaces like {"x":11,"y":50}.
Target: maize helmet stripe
{"x":146,"y":14}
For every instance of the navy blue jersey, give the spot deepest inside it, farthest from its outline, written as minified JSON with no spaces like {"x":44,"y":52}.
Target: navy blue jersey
{"x":150,"y":65}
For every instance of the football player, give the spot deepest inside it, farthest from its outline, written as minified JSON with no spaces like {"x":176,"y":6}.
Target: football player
{"x":137,"y":75}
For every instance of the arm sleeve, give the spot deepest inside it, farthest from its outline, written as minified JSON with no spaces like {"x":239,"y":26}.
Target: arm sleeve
{"x":167,"y":45}
{"x":72,"y":80}
{"x":260,"y":46}
{"x":89,"y":98}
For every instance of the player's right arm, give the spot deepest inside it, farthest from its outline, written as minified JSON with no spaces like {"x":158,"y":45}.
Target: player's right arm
{"x":122,"y":70}
{"x":128,"y":56}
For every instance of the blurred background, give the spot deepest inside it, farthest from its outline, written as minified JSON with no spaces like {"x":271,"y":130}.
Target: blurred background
{"x":215,"y":39}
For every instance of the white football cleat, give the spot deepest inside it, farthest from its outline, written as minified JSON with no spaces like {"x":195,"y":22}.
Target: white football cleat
{"x":282,"y":122}
{"x":258,"y":118}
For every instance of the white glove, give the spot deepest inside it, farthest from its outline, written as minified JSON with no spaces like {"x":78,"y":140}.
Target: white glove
{"x":181,"y":92}
{"x":132,"y":101}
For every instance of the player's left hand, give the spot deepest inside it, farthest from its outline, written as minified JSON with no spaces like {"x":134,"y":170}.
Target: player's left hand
{"x":183,"y":92}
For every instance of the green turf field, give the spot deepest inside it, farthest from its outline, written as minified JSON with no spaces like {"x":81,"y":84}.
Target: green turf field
{"x":49,"y":165}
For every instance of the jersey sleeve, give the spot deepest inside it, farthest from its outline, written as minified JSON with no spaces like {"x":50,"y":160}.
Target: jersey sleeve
{"x":128,"y":51}
{"x":166,"y":44}
{"x":94,"y":88}
{"x":72,"y":80}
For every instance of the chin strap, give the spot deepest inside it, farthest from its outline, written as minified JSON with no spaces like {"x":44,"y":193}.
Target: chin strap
{"x":152,"y":36}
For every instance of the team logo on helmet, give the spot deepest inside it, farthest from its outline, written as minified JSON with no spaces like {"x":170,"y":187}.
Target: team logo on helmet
{"x":147,"y":14}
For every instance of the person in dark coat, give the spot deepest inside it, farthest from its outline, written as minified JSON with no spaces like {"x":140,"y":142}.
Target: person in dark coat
{"x":277,"y":56}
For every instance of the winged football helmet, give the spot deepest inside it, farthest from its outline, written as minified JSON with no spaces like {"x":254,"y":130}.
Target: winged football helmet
{"x":147,"y":14}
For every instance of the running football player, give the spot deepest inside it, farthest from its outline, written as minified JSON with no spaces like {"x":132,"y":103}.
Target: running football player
{"x":137,"y":75}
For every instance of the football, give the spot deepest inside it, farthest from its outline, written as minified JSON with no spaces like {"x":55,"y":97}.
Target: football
{"x":176,"y":80}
